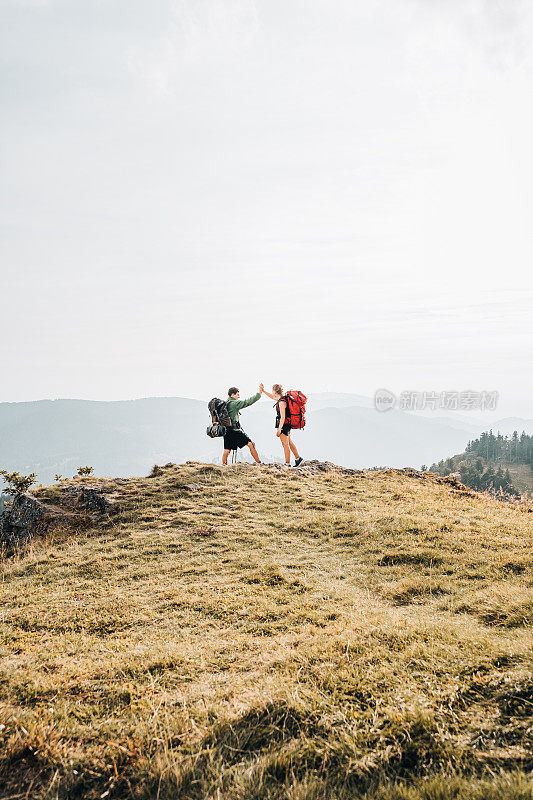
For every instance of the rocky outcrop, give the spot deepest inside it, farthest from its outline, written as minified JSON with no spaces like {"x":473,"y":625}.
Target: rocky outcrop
{"x":89,"y":498}
{"x":28,"y":516}
{"x":327,"y":466}
{"x":316,"y":466}
{"x":25,"y":511}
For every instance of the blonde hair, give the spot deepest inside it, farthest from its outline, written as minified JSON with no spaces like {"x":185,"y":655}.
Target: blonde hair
{"x":277,"y":388}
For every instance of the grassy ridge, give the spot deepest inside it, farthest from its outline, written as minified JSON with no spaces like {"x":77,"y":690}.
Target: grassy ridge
{"x":252,"y":633}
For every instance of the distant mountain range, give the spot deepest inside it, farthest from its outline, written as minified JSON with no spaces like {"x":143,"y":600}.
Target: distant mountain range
{"x":127,"y":437}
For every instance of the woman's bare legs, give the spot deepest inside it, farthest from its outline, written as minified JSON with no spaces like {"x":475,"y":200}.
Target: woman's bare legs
{"x":285,"y":442}
{"x":293,"y":447}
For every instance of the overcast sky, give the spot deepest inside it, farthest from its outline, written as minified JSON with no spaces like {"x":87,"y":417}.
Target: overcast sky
{"x":333,"y":194}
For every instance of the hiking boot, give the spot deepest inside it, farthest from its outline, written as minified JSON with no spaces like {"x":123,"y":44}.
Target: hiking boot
{"x":298,"y":461}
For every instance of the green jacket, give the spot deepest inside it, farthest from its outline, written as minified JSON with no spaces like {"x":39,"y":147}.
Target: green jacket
{"x":234,"y":406}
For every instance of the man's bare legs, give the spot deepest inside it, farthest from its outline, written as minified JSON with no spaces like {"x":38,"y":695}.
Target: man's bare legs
{"x":254,"y":452}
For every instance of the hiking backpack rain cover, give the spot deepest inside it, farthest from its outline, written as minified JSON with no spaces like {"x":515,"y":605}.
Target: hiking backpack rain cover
{"x":220,"y":419}
{"x":295,"y":413}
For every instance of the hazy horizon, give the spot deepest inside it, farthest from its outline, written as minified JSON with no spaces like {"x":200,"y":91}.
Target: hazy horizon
{"x":323,"y":194}
{"x":327,"y":399}
{"x":128,"y":437}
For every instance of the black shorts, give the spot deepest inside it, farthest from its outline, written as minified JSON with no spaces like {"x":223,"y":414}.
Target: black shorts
{"x":286,"y":428}
{"x":235,"y":439}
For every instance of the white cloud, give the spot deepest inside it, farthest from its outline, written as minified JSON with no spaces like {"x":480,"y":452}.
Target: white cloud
{"x":198,"y":34}
{"x":28,"y":3}
{"x":359,"y":171}
{"x":498,"y":30}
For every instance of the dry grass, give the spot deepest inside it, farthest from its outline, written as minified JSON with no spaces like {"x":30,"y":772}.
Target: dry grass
{"x":272,"y":635}
{"x":413,"y":589}
{"x":505,"y":604}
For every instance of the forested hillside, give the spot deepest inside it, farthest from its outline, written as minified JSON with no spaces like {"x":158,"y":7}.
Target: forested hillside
{"x":494,"y":463}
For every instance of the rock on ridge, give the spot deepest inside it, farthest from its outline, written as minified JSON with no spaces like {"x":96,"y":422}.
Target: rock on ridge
{"x":28,"y":516}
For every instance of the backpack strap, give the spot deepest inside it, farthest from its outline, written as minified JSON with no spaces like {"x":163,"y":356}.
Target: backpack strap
{"x":278,"y":410}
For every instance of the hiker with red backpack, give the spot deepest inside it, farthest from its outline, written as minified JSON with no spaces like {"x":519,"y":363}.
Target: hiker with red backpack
{"x":290,"y":414}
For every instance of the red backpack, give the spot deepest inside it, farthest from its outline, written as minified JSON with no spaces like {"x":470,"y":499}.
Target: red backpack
{"x":295,"y":413}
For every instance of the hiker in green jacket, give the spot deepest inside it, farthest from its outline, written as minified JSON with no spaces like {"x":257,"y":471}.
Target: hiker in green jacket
{"x":235,"y":437}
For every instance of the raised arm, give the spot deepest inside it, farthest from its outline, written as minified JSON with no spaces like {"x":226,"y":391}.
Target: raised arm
{"x":238,"y":404}
{"x":268,"y":394}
